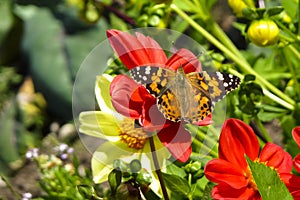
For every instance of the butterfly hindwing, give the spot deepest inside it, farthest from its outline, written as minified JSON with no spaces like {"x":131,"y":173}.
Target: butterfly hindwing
{"x":200,"y":103}
{"x":168,"y":105}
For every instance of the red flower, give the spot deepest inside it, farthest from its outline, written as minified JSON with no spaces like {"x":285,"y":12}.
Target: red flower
{"x":133,"y":100}
{"x":296,"y":136}
{"x":231,"y":170}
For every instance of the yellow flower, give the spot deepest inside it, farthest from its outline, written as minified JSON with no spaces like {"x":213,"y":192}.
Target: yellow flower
{"x":263,"y":32}
{"x":237,"y":6}
{"x":123,"y":140}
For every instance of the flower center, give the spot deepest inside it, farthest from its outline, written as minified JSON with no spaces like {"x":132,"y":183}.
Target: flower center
{"x":133,"y":137}
{"x":248,"y":174}
{"x":251,"y":182}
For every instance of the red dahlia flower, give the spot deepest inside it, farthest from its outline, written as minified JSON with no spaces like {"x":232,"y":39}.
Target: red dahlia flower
{"x":296,"y":136}
{"x":231,"y":170}
{"x":133,"y":100}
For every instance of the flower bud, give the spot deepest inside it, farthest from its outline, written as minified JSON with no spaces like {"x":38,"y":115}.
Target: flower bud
{"x":263,"y":32}
{"x":135,"y":166}
{"x":127,"y":191}
{"x":238,"y":6}
{"x":195,"y":167}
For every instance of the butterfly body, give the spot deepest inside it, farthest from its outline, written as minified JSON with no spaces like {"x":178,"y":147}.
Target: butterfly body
{"x":189,"y":97}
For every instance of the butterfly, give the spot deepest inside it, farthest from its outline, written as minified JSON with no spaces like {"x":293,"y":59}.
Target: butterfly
{"x":188,"y":97}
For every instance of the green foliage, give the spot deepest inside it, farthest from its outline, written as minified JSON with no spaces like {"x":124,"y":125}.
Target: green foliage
{"x":268,"y":182}
{"x":9,"y":79}
{"x":10,"y":33}
{"x":177,"y":185}
{"x":114,"y":179}
{"x":56,"y":36}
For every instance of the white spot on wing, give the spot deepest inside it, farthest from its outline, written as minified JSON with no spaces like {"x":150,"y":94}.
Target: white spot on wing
{"x":220,"y":76}
{"x":147,"y":70}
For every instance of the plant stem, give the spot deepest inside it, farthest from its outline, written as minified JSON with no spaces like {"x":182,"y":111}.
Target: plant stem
{"x":157,"y":169}
{"x":286,"y":30}
{"x":265,"y":91}
{"x":238,"y":59}
{"x":263,"y":130}
{"x":298,"y":18}
{"x":292,"y":68}
{"x":206,"y":148}
{"x":8,"y":185}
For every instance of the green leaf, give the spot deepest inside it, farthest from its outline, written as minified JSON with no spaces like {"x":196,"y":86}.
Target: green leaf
{"x":114,"y":179}
{"x":274,"y":11}
{"x":177,"y":184}
{"x":201,"y":189}
{"x":268,"y":112}
{"x":250,"y":13}
{"x":44,"y":44}
{"x":268,"y":182}
{"x":85,"y":190}
{"x":173,"y":169}
{"x":55,"y":58}
{"x":10,"y":32}
{"x":290,"y":7}
{"x":150,"y":195}
{"x":8,"y":135}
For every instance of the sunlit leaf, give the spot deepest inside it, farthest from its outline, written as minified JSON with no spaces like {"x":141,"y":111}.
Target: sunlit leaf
{"x":268,"y":182}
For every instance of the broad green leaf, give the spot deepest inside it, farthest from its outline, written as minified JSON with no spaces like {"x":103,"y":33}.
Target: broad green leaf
{"x":200,"y":189}
{"x":268,"y":116}
{"x":173,"y":169}
{"x":177,"y":185}
{"x":290,"y":7}
{"x":8,"y":134}
{"x":268,"y":112}
{"x":274,"y":11}
{"x":268,"y":182}
{"x":55,"y":58}
{"x":150,"y":195}
{"x":88,"y":192}
{"x":114,"y":180}
{"x":118,"y":23}
{"x":7,"y":18}
{"x":10,"y":32}
{"x":43,"y":41}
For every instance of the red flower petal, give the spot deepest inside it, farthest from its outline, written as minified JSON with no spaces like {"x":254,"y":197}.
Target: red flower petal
{"x":186,"y":59}
{"x":296,"y":135}
{"x":222,"y":171}
{"x":297,"y":163}
{"x":292,"y":182}
{"x":155,"y":52}
{"x":136,"y":51}
{"x":236,"y":140}
{"x":178,"y":141}
{"x":206,"y":121}
{"x":125,"y":95}
{"x":151,"y":118}
{"x":223,"y":191}
{"x":274,"y":156}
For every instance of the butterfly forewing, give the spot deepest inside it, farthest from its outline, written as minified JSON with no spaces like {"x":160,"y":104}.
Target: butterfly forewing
{"x":220,"y":84}
{"x":155,"y":79}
